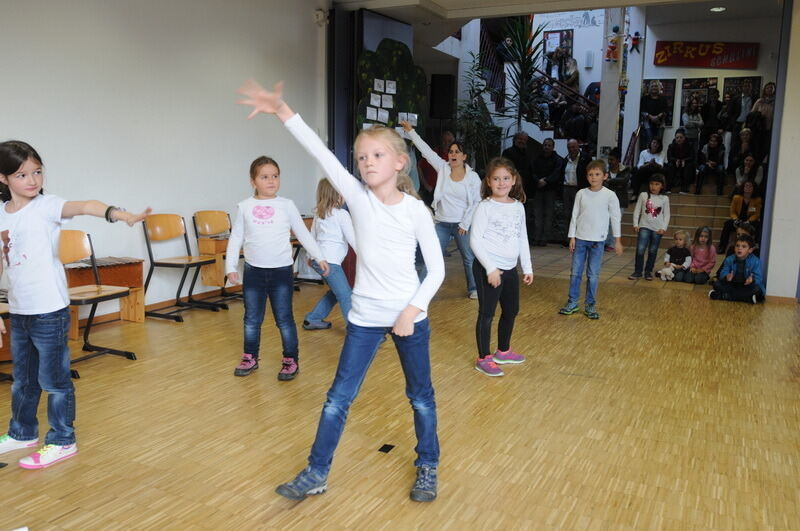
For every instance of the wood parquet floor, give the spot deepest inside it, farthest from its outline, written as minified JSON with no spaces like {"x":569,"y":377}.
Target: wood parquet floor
{"x":670,"y":412}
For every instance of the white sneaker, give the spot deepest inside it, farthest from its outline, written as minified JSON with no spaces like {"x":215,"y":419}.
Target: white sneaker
{"x":9,"y":444}
{"x":473,"y":294}
{"x":47,"y":455}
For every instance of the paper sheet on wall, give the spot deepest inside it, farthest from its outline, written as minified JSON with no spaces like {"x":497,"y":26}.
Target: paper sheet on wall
{"x":402,"y":117}
{"x":378,"y":86}
{"x":383,"y":115}
{"x":391,"y":87}
{"x":412,"y":119}
{"x":388,"y":101}
{"x":367,"y":125}
{"x":375,"y":99}
{"x":372,"y":113}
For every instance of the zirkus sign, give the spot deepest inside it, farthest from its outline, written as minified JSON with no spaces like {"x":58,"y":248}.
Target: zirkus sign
{"x":740,"y":55}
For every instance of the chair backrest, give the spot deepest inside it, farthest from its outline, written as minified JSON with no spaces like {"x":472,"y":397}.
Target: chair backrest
{"x":211,"y":222}
{"x":161,"y":227}
{"x":74,"y":245}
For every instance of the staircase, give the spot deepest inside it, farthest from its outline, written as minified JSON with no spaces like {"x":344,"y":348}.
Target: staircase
{"x":687,"y":212}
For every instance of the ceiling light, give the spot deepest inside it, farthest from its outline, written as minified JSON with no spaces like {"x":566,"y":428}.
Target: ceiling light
{"x":719,"y":9}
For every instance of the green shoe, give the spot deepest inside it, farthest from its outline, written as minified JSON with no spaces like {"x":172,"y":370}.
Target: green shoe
{"x":569,"y":309}
{"x":591,"y":312}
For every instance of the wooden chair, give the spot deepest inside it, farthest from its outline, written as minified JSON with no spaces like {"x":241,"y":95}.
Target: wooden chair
{"x":76,"y":245}
{"x":163,"y":227}
{"x":212,"y":228}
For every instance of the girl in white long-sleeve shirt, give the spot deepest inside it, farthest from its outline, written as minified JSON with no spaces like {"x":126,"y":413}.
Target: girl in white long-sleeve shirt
{"x":262,"y":227}
{"x":333,"y":230}
{"x":387,"y":297}
{"x":498,"y":239}
{"x":457,"y":193}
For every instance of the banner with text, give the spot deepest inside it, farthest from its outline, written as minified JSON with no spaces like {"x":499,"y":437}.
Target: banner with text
{"x":739,"y":55}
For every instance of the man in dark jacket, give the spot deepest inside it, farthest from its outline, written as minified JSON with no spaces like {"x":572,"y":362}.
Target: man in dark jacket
{"x":573,"y":176}
{"x":522,"y":158}
{"x":547,"y":171}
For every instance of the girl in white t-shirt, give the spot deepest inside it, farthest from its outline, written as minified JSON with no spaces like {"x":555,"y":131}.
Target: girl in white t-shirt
{"x":262,"y":228}
{"x":499,"y":239}
{"x":457,"y":193}
{"x":387,"y":297}
{"x":30,"y":227}
{"x":333,"y":231}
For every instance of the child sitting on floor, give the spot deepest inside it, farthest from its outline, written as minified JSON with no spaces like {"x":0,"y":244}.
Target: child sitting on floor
{"x":677,"y":259}
{"x":740,"y":278}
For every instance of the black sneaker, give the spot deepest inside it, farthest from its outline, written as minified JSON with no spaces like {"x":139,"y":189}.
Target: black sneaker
{"x":306,"y":483}
{"x":316,"y":325}
{"x":424,"y":489}
{"x":713,"y":295}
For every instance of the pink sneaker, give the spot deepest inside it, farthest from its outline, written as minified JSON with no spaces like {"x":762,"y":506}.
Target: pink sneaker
{"x":48,"y":455}
{"x":289,"y":370}
{"x":488,"y":367}
{"x":246,"y":366}
{"x":508,"y":356}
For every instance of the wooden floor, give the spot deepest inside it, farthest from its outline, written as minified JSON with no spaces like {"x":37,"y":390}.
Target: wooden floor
{"x":670,"y":412}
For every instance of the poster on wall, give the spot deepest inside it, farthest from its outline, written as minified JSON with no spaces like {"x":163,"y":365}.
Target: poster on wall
{"x":554,"y":39}
{"x":667,"y":91}
{"x":733,"y":85}
{"x":696,"y":88}
{"x":737,"y":55}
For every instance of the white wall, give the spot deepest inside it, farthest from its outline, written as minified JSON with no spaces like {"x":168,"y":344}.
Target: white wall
{"x":587,"y":37}
{"x":766,"y":31}
{"x":134,"y":103}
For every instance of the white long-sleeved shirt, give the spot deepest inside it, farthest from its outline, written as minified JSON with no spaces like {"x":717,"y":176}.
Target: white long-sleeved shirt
{"x":333,"y":234}
{"x":453,"y":202}
{"x":591,"y":214}
{"x":651,"y":213}
{"x":262,"y":228}
{"x":499,"y":236}
{"x":646,"y":156}
{"x":687,"y":262}
{"x":386,"y":239}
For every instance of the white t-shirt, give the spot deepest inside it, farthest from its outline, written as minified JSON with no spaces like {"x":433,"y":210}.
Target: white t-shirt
{"x":333,"y":234}
{"x":499,"y":237}
{"x":646,"y":156}
{"x":454,"y":201}
{"x":37,"y":283}
{"x":262,"y":227}
{"x":571,"y":171}
{"x":591,"y":214}
{"x":386,"y":239}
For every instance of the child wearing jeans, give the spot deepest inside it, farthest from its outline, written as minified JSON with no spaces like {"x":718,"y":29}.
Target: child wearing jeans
{"x":30,"y":227}
{"x":333,"y":231}
{"x":593,"y":208}
{"x":499,"y":239}
{"x":650,"y":221}
{"x":262,"y":227}
{"x":740,"y":278}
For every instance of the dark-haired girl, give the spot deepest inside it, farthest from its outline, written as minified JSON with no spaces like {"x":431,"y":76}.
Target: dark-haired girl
{"x":704,"y":257}
{"x":651,"y":161}
{"x":457,"y":193}
{"x":499,"y":239}
{"x":30,"y":226}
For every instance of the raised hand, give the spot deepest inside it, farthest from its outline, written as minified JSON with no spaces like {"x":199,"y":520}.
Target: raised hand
{"x":263,"y":100}
{"x":406,"y":126}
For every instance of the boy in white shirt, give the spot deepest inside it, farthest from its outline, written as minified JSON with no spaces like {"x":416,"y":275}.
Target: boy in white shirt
{"x":588,"y":229}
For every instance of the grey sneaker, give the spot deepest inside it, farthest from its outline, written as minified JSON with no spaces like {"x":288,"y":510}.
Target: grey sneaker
{"x":569,"y":308}
{"x":316,"y":325}
{"x":591,"y":312}
{"x":305,"y":484}
{"x":424,"y":489}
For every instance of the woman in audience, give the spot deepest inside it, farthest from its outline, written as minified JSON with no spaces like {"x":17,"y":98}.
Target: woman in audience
{"x":711,"y":160}
{"x":651,"y":161}
{"x":745,"y":206}
{"x":680,"y":163}
{"x":692,"y":121}
{"x":749,"y":171}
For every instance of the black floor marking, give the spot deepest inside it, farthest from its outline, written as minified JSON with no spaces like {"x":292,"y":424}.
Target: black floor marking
{"x":386,"y":448}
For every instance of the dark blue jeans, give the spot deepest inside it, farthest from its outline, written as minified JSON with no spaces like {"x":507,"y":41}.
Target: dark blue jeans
{"x":41,"y":362}
{"x":360,"y":347}
{"x":277,"y":285}
{"x":590,"y":255}
{"x":647,"y":240}
{"x":445,"y":231}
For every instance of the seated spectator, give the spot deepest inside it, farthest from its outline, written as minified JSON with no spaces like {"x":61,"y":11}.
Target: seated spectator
{"x":557,"y":106}
{"x":745,"y":206}
{"x":574,"y":123}
{"x":692,"y":122}
{"x":680,"y":163}
{"x":740,"y":147}
{"x":742,"y":229}
{"x":749,"y":171}
{"x":619,"y":177}
{"x":740,"y":278}
{"x":677,"y":259}
{"x":711,"y":161}
{"x":571,"y":74}
{"x":704,"y":257}
{"x":651,"y":161}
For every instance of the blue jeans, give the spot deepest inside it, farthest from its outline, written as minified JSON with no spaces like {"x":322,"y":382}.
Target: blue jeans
{"x":277,"y":285}
{"x":647,"y":240}
{"x":360,"y":346}
{"x":589,"y":254}
{"x":445,"y":231}
{"x":41,"y":362}
{"x":339,"y":291}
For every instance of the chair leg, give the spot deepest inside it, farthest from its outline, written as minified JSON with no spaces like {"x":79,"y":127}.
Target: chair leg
{"x":97,"y":350}
{"x":213,"y":306}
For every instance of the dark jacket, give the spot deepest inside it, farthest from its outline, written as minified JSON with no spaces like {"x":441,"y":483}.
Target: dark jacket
{"x":551,"y":169}
{"x":677,"y":151}
{"x":522,"y":161}
{"x":583,"y":161}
